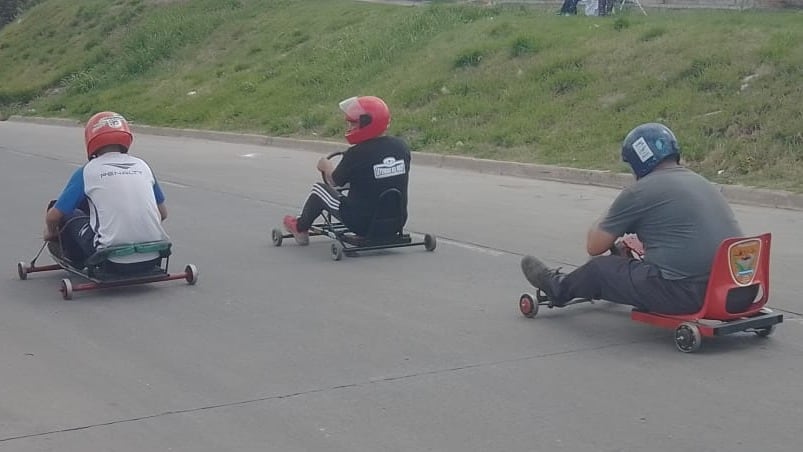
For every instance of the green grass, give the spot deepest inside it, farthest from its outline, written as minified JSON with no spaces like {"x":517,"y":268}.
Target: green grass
{"x":507,"y":82}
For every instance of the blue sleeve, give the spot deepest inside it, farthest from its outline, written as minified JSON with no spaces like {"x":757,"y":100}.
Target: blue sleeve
{"x":73,"y":193}
{"x":157,"y":192}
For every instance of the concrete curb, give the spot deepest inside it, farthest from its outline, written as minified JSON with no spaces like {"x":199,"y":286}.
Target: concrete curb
{"x":734,"y":193}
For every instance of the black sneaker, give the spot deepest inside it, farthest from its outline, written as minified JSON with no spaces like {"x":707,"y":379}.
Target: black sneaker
{"x":542,"y":277}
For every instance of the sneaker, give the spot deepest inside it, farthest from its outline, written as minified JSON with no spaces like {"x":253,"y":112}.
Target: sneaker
{"x":291,"y":224}
{"x":542,"y":277}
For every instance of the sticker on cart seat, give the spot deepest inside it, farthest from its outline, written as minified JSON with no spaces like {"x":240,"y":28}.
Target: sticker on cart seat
{"x":743,"y":259}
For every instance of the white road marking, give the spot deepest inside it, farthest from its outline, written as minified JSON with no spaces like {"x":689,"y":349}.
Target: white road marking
{"x":173,"y":184}
{"x":477,"y":248}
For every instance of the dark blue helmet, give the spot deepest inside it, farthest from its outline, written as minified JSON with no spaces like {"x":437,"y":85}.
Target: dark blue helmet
{"x":648,"y":145}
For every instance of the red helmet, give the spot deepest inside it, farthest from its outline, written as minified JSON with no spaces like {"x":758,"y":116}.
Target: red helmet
{"x":104,"y":129}
{"x":368,"y":117}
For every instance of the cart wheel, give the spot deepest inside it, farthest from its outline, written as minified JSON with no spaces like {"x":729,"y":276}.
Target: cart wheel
{"x":541,"y":297}
{"x":276,"y":236}
{"x":22,"y":270}
{"x":337,"y":251}
{"x":687,"y":337}
{"x":527,"y":306}
{"x":766,"y":331}
{"x":66,"y":289}
{"x":191,"y":274}
{"x":430,"y":242}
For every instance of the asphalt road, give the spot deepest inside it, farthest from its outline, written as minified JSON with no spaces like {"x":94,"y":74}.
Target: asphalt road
{"x":282,"y":349}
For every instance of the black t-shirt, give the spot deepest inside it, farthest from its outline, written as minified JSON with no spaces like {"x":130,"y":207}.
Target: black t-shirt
{"x":370,"y":168}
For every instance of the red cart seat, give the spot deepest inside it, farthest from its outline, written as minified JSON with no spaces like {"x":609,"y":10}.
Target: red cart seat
{"x":739,"y":284}
{"x":738,"y":289}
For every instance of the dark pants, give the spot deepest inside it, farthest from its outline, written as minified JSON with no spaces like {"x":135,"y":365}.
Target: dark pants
{"x":322,"y":198}
{"x":78,"y":243}
{"x":604,"y":7}
{"x":632,"y":282}
{"x":569,"y":7}
{"x":76,"y":236}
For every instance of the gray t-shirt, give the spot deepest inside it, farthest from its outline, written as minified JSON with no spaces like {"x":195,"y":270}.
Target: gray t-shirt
{"x":679,"y":216}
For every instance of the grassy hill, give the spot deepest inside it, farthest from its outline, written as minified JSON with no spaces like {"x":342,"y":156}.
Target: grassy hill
{"x":506,"y":82}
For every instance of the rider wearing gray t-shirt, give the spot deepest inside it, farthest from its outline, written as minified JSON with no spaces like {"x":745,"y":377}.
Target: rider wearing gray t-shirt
{"x":681,"y":219}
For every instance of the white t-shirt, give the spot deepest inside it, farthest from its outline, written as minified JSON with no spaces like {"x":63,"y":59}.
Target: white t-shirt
{"x":123,"y":195}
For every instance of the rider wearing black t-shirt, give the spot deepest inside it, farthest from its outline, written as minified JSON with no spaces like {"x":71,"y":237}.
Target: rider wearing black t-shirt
{"x":373,"y":164}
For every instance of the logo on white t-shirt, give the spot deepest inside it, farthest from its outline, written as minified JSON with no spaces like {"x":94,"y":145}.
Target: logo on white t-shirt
{"x":122,"y":166}
{"x":123,"y":169}
{"x":388,"y":168}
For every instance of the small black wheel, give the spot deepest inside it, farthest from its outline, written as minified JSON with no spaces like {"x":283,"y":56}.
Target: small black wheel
{"x":66,"y":289}
{"x":528,"y":306}
{"x":191,"y":274}
{"x":22,"y":270}
{"x":276,"y":237}
{"x":337,"y":251}
{"x":688,"y":338}
{"x":430,"y":242}
{"x":766,"y":331}
{"x":541,"y":297}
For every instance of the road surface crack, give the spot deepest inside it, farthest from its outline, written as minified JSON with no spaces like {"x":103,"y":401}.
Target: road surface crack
{"x":311,"y":391}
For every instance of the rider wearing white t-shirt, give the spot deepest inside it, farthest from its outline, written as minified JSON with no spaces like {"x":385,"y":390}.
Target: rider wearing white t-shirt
{"x":124,"y":201}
